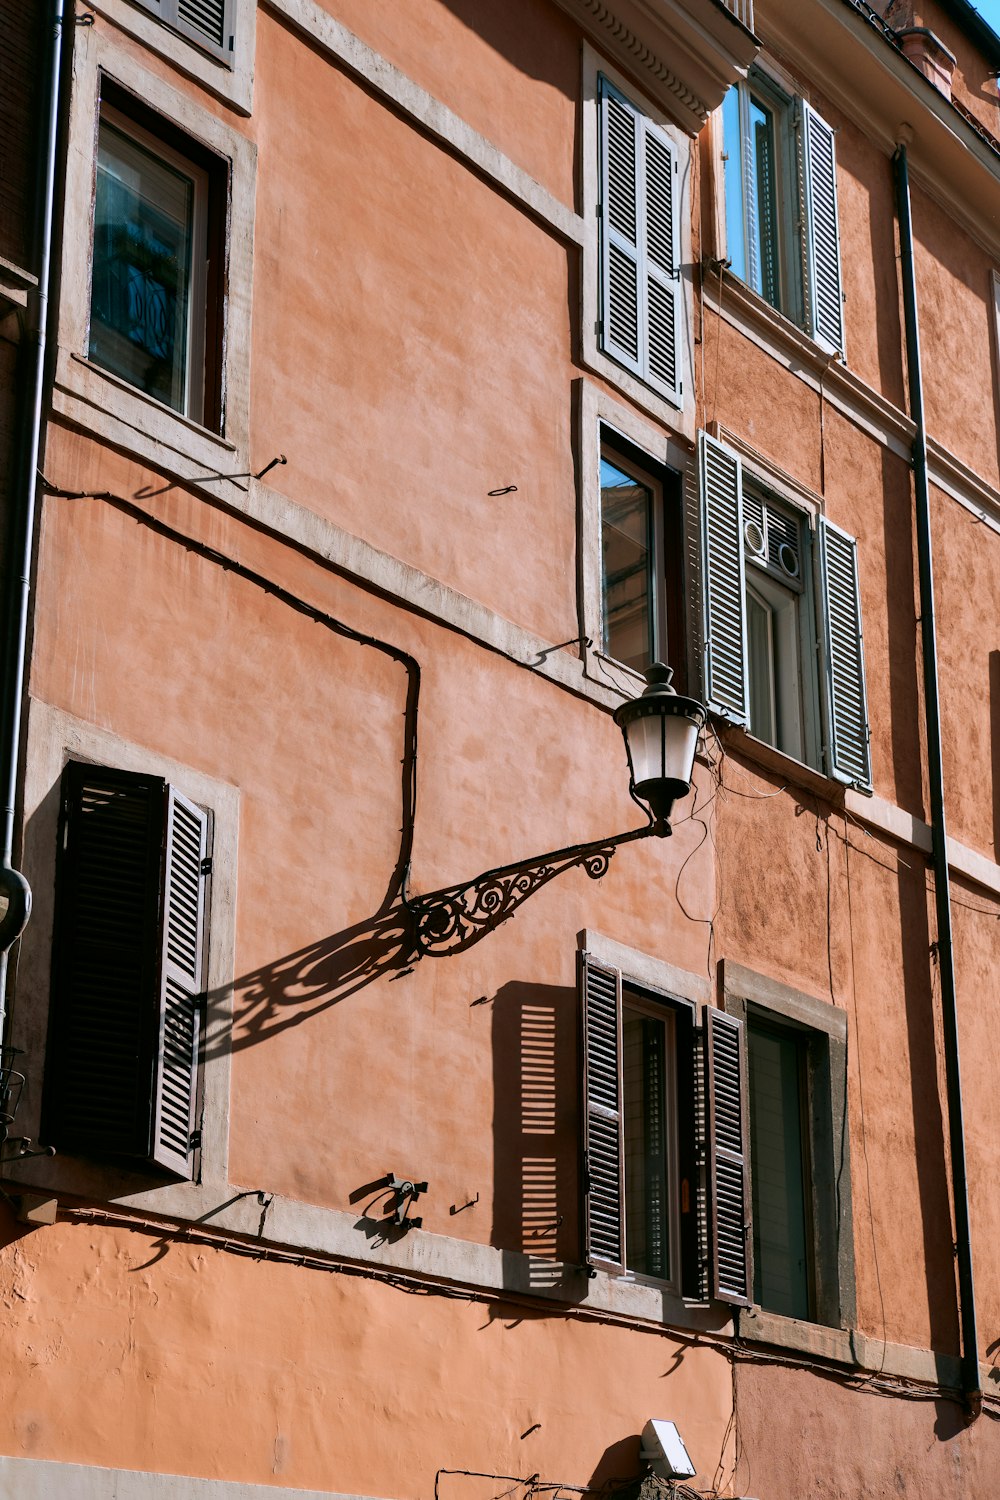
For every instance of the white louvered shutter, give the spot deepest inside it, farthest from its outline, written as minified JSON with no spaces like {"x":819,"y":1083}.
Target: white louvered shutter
{"x":604,"y":1209}
{"x":848,"y":756}
{"x":726,"y":686}
{"x":640,"y":317}
{"x":728,"y":1157}
{"x":824,"y":298}
{"x":180,"y":995}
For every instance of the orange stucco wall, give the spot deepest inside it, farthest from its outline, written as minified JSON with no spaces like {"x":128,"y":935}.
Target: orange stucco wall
{"x":415,"y":344}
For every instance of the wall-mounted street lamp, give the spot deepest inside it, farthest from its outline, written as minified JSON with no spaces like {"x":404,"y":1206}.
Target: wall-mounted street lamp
{"x":661,"y":730}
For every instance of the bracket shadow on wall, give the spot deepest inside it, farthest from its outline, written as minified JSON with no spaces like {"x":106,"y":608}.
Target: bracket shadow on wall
{"x":661,"y":731}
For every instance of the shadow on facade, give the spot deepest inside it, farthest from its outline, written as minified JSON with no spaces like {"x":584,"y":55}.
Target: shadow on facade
{"x":928,"y":1124}
{"x":536,"y":1192}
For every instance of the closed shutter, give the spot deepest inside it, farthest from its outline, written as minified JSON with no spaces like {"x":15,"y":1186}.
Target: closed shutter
{"x":724,"y":627}
{"x":728,"y":1157}
{"x":99,"y":1072}
{"x":848,"y":754}
{"x":824,"y":300}
{"x":207,"y":22}
{"x":124,"y":1029}
{"x":180,"y":986}
{"x":601,"y":1025}
{"x":640,"y":317}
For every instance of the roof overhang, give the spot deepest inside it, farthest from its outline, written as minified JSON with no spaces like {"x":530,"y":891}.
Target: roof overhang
{"x":848,"y":58}
{"x":687,"y":53}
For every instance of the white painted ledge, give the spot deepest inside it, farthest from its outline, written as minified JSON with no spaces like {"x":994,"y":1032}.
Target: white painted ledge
{"x":42,"y":1479}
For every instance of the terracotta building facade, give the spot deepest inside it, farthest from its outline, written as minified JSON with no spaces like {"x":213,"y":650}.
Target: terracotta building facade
{"x":412,"y":378}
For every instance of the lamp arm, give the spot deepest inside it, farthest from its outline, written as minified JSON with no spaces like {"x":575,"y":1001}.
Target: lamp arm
{"x":453,"y":918}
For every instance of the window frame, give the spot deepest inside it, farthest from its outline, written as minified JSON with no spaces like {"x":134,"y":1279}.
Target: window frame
{"x":167,"y":12}
{"x":806,"y":202}
{"x":665,"y":588}
{"x":229,"y":75}
{"x":796,"y":681}
{"x":600,"y":421}
{"x":712,"y":1203}
{"x":824,"y":1029}
{"x":679,"y":417}
{"x":649,"y":1003}
{"x":54,"y":738}
{"x":758,"y":88}
{"x":85,"y":394}
{"x":201,"y":401}
{"x":832,"y":660}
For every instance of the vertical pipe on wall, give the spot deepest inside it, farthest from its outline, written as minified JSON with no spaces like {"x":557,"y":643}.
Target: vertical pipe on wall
{"x":932,"y":714}
{"x":13,"y":885}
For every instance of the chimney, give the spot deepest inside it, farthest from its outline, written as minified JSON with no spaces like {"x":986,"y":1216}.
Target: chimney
{"x":930,"y":55}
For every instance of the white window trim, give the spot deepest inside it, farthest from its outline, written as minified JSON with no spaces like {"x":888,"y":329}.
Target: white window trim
{"x":231,"y":82}
{"x":54,"y":738}
{"x":601,"y":414}
{"x":96,"y":399}
{"x":681,"y":420}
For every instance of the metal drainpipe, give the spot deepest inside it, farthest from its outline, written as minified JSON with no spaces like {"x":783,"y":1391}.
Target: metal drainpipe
{"x":13,"y":884}
{"x":942,"y":889}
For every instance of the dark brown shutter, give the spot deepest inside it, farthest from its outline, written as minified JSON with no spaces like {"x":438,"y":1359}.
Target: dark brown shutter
{"x":99,"y":1073}
{"x":180,"y":984}
{"x":124,"y":1029}
{"x":728,"y":1157}
{"x":604,"y":1209}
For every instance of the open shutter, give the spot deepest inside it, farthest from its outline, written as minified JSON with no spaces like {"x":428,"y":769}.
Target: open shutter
{"x":662,"y":268}
{"x":99,"y":1069}
{"x":640,"y":244}
{"x":604,"y":1212}
{"x":621,"y":271}
{"x":724,"y":628}
{"x":848,"y":756}
{"x":728,"y":1157}
{"x":180,"y":984}
{"x":824,"y":299}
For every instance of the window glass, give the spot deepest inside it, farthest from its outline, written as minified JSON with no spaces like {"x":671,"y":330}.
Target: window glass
{"x":775,"y":543}
{"x":627,"y":594}
{"x":757,"y":146}
{"x":648,"y":1077}
{"x":732,"y":137}
{"x":781,"y":1233}
{"x":763,"y":189}
{"x":144,"y":323}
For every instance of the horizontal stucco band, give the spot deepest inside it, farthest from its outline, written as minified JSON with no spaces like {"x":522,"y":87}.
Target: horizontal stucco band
{"x":41,"y":1479}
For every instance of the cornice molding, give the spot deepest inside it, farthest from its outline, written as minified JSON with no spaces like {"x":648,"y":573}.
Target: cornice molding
{"x":707,"y":48}
{"x":862,"y":405}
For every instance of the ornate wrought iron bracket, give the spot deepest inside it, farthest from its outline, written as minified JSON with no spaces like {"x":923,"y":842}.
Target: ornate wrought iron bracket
{"x":450,"y":920}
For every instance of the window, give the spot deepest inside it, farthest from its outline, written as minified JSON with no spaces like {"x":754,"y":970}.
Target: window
{"x":772,"y":590}
{"x":207,"y":23}
{"x":156,"y":282}
{"x":782,"y":234}
{"x":640,"y":286}
{"x":641,"y":595}
{"x":799,"y":1161}
{"x":664,"y":1090}
{"x":779,"y":1157}
{"x":128,"y":990}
